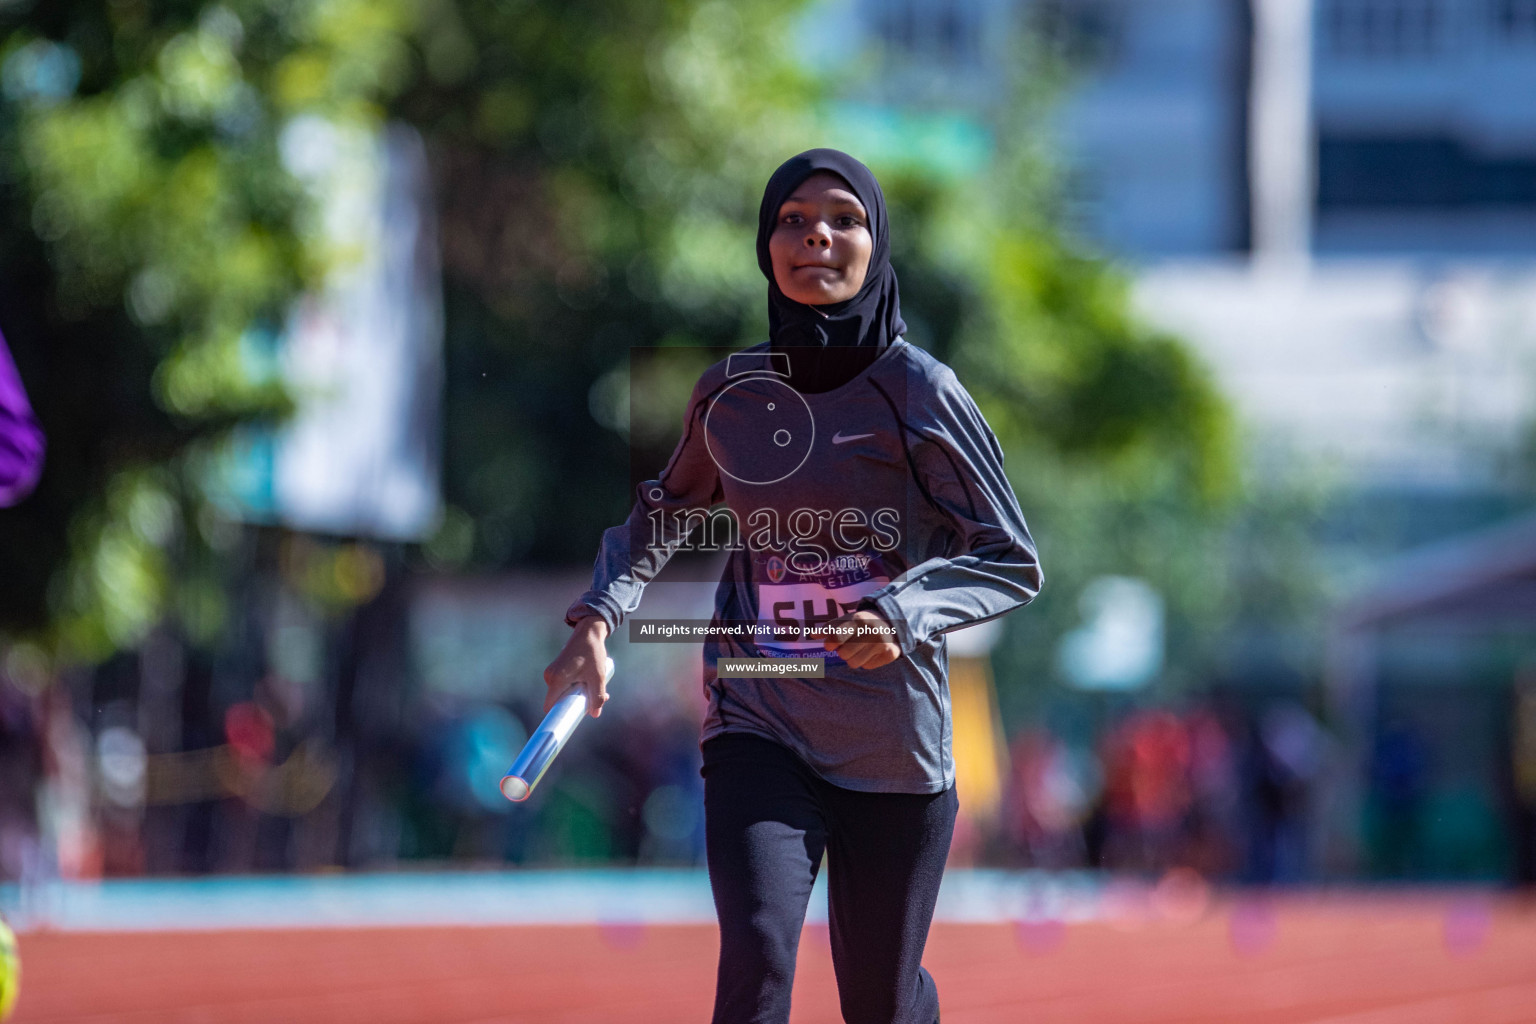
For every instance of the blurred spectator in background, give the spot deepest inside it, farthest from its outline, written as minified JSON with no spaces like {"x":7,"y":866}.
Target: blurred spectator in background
{"x":1146,"y":791}
{"x":1216,"y":798}
{"x":1400,"y":788}
{"x":21,"y":771}
{"x":1050,"y":791}
{"x":1287,"y":754}
{"x":1208,"y":788}
{"x":1523,"y":765}
{"x":21,"y":439}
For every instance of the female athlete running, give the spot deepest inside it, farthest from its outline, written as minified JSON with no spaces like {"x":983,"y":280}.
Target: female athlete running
{"x":872,"y":507}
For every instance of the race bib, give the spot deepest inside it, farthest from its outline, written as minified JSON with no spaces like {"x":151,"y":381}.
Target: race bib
{"x":807,"y":605}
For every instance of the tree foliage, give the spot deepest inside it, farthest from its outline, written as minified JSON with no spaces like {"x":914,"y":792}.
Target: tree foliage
{"x":150,"y":228}
{"x":600,"y":165}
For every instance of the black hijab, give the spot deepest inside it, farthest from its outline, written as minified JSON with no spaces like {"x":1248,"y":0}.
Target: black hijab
{"x":830,"y":345}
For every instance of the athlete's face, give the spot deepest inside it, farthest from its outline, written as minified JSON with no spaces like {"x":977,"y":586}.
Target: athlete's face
{"x":821,"y":245}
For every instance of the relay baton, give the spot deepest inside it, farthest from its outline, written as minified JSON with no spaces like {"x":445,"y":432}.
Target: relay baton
{"x":546,"y":742}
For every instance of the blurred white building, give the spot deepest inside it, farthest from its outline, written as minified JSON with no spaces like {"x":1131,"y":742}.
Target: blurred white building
{"x":1333,"y":200}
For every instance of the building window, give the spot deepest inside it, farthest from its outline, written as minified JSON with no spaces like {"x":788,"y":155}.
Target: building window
{"x":895,"y":24}
{"x":1083,"y":33}
{"x":1384,"y":28}
{"x":1515,"y":19}
{"x":1425,"y":172}
{"x":945,"y":31}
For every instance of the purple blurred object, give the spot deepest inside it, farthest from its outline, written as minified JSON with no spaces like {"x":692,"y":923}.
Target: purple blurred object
{"x":1252,"y":927}
{"x":1467,"y":923}
{"x":1040,"y":935}
{"x":21,"y":439}
{"x":622,"y":934}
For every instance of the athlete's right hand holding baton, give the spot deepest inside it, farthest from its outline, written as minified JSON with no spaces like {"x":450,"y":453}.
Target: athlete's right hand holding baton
{"x":577,"y":681}
{"x":570,"y":692}
{"x":581,"y":662}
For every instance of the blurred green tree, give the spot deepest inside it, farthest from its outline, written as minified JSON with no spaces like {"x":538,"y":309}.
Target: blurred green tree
{"x":599,"y":165}
{"x":150,"y":231}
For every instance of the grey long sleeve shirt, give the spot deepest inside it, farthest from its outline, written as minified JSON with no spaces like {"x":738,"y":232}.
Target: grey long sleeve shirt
{"x":885,"y":493}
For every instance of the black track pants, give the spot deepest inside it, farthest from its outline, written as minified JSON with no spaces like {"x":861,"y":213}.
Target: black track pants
{"x":768,"y":818}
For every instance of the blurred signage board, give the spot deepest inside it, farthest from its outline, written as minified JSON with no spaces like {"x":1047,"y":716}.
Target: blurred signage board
{"x":362,"y":357}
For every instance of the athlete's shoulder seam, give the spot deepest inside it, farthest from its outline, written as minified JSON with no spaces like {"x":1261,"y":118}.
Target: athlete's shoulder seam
{"x":928,"y":366}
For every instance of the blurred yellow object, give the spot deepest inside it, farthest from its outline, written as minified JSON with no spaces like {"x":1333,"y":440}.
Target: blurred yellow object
{"x":291,"y":789}
{"x":10,"y":971}
{"x":1523,"y":742}
{"x":980,"y":753}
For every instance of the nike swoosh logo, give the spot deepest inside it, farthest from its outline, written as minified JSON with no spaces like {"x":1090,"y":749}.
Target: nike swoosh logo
{"x":838,"y":437}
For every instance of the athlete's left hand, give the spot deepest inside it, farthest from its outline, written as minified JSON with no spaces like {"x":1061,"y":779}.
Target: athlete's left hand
{"x":870,"y":647}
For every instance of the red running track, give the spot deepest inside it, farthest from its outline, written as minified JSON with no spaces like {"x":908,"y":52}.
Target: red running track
{"x":1321,"y":960}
